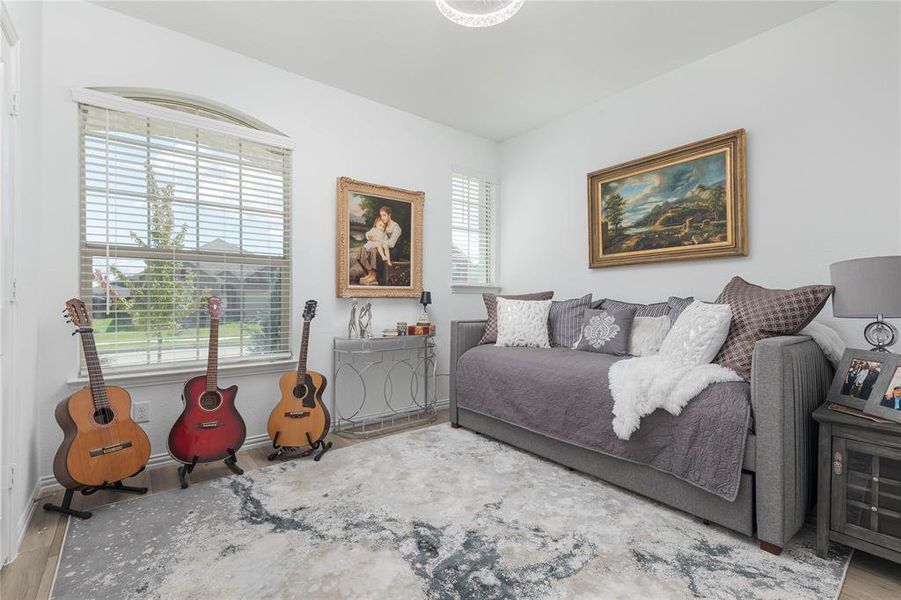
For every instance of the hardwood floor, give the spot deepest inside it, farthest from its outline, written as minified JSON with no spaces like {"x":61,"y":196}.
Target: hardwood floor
{"x":30,"y":576}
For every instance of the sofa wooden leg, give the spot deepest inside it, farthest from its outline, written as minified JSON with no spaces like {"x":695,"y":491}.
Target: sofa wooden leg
{"x":771,"y":548}
{"x":455,"y":425}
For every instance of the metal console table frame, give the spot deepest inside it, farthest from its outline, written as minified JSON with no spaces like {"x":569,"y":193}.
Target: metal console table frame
{"x":394,"y":363}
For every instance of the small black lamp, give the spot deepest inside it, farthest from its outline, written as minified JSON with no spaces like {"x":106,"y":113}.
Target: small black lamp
{"x":425,"y":298}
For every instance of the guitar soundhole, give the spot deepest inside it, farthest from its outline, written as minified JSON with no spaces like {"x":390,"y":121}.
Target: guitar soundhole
{"x":210,"y":401}
{"x":300,"y":391}
{"x":103,"y":416}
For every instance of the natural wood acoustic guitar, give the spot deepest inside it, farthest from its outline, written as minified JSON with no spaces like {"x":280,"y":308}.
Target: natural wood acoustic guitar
{"x":300,"y":419}
{"x":101,"y":444}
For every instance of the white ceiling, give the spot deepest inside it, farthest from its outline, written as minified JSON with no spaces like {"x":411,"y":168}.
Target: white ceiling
{"x":551,"y":58}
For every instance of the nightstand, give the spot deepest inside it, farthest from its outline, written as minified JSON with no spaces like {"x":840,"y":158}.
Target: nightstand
{"x":858,"y":484}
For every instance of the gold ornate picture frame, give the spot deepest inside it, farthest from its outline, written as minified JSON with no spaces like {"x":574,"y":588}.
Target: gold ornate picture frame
{"x":378,"y":241}
{"x":685,"y":203}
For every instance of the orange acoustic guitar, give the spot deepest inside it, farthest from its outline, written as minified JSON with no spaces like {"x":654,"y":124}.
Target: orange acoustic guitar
{"x":101,"y":444}
{"x":301,"y":419}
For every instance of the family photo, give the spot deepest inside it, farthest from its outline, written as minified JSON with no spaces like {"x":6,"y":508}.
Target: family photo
{"x":892,"y":397}
{"x":379,"y":240}
{"x":860,"y":378}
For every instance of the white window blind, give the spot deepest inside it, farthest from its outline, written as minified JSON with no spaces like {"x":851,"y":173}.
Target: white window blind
{"x":472,"y":233}
{"x":172,"y":213}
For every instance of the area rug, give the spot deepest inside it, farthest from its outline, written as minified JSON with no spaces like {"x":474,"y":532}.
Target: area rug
{"x":432,"y":513}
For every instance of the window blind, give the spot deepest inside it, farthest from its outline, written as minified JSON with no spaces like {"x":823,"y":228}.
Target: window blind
{"x":472,"y":231}
{"x":173,"y":213}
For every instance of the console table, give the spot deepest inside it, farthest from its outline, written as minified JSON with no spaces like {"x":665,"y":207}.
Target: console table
{"x":383,"y":383}
{"x":859,"y":484}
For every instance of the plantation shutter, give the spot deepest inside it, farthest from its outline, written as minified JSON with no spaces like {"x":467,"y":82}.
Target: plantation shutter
{"x":173,"y":211}
{"x":472,"y":231}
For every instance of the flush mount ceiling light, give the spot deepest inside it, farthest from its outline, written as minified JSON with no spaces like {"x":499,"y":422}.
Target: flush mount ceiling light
{"x":478,"y":13}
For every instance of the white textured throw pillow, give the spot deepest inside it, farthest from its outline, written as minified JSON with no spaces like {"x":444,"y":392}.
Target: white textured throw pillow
{"x":522,"y":322}
{"x":698,"y":334}
{"x":647,"y":335}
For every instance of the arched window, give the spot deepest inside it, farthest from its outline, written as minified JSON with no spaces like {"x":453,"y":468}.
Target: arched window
{"x":182,"y":199}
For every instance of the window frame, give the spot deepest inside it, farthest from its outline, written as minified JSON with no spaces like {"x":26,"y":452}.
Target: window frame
{"x":175,"y":370}
{"x":490,"y":286}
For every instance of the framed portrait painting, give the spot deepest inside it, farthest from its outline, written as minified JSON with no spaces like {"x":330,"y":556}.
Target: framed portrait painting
{"x":379,"y":241}
{"x":684,"y":203}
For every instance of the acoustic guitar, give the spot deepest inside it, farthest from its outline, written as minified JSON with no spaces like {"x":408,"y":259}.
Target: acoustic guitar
{"x":101,"y":444}
{"x":209,"y":427}
{"x":300,"y":418}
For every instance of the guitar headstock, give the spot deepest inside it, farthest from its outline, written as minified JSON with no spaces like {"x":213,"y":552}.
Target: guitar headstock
{"x":214,"y":306}
{"x":309,"y":310}
{"x":77,"y":313}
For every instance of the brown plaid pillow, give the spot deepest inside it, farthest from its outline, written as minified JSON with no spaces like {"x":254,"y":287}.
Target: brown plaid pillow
{"x":759,"y":313}
{"x":490,"y":335}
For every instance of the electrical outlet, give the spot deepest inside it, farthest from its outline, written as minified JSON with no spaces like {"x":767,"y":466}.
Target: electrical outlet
{"x":141,"y":412}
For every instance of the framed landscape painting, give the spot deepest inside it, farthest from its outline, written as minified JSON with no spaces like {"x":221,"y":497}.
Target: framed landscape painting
{"x":379,"y":241}
{"x":681,"y":204}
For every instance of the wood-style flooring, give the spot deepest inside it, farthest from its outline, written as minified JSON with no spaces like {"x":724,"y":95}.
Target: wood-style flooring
{"x":30,"y":576}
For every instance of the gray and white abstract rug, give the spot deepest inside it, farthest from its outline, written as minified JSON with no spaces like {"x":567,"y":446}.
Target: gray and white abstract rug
{"x":433,"y":513}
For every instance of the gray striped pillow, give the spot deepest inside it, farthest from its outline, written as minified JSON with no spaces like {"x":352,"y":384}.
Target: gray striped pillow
{"x":658,"y":309}
{"x":672,"y":308}
{"x":566,"y":320}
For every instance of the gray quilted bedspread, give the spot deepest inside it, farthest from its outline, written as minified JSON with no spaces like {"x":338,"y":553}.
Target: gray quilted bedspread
{"x":563,"y":394}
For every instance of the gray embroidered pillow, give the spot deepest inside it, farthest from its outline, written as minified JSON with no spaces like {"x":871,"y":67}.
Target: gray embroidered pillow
{"x":566,"y":320}
{"x":606,"y":331}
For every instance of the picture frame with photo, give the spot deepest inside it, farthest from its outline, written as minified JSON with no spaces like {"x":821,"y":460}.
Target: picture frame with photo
{"x":885,"y":401}
{"x":858,"y":376}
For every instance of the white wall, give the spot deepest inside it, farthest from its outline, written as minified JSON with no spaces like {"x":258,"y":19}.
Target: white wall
{"x":337,"y":134}
{"x":819,"y":99}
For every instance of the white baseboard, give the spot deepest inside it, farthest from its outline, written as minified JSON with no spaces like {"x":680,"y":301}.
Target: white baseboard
{"x":48,"y":483}
{"x":24,"y":520}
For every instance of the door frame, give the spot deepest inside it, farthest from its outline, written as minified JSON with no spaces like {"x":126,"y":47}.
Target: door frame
{"x":9,"y":98}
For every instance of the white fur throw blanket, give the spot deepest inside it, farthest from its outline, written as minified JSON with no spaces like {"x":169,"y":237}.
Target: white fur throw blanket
{"x":642,"y":385}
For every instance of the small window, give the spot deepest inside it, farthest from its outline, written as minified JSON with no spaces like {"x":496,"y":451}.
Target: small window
{"x":172,"y":213}
{"x":473,"y":252}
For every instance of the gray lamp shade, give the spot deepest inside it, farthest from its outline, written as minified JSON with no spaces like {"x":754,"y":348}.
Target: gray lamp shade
{"x":866,"y":287}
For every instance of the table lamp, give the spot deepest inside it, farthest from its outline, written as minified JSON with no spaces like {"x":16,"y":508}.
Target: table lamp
{"x":869,"y":288}
{"x":425,"y":298}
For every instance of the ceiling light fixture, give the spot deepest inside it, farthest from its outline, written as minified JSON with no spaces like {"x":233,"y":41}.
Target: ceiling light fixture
{"x":478,"y":13}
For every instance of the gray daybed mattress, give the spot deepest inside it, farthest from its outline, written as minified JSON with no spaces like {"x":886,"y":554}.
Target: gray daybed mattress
{"x":563,"y":394}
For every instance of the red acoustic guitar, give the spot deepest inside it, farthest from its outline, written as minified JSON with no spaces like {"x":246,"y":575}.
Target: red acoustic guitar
{"x":210,"y":427}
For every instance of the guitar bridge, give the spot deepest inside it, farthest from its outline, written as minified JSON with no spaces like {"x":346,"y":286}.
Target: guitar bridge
{"x":296,"y":414}
{"x":209,"y":424}
{"x":110,"y":449}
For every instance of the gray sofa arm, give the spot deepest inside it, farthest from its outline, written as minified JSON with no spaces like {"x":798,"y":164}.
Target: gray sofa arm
{"x":790,"y":377}
{"x":464,"y":335}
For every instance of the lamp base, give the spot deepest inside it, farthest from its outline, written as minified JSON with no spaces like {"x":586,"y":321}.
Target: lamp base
{"x":880,"y":334}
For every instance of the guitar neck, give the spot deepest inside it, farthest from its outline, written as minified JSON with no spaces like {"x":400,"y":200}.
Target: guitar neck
{"x":95,"y":373}
{"x":212,"y":366}
{"x":304,"y":345}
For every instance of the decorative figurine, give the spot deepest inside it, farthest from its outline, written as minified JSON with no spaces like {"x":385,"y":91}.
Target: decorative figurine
{"x":352,"y":330}
{"x":365,"y":321}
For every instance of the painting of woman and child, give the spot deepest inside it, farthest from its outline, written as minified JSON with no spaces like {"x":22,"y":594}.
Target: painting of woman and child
{"x":379,"y":240}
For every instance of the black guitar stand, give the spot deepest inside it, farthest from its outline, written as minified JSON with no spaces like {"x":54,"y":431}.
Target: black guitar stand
{"x":231,"y":462}
{"x":321,"y":445}
{"x":184,"y":471}
{"x":66,"y":507}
